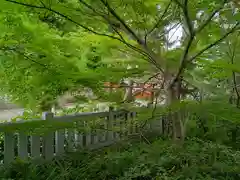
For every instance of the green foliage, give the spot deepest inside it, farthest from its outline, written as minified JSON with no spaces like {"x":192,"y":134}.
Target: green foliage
{"x":92,"y":48}
{"x":160,"y":160}
{"x":27,"y":115}
{"x":62,"y":46}
{"x":38,"y":64}
{"x":30,"y":58}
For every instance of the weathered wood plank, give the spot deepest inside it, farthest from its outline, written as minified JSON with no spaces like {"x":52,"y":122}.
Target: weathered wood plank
{"x":70,"y":140}
{"x":35,"y":146}
{"x":95,"y":134}
{"x":87,"y":134}
{"x":23,"y":146}
{"x":48,"y":139}
{"x":8,"y":148}
{"x":71,"y":118}
{"x":110,"y":135}
{"x":79,"y":134}
{"x":75,"y":138}
{"x":129,"y":123}
{"x":59,"y":141}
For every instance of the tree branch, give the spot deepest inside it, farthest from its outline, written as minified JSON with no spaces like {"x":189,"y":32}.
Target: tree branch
{"x":158,"y":22}
{"x":153,"y":76}
{"x":24,"y":55}
{"x":176,"y":27}
{"x":187,"y":18}
{"x":201,"y":27}
{"x":235,"y":85}
{"x":216,"y":42}
{"x":95,"y":11}
{"x":64,"y":16}
{"x":151,"y":59}
{"x":129,"y":30}
{"x":142,"y":52}
{"x":178,"y":3}
{"x":202,"y":51}
{"x":183,"y":61}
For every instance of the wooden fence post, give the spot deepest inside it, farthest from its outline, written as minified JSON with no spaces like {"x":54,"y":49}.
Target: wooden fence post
{"x":35,"y":146}
{"x":129,"y":123}
{"x":123,"y":124}
{"x":117,"y":126}
{"x":95,"y":134}
{"x":59,"y":141}
{"x":70,"y":139}
{"x":110,"y":124}
{"x":135,"y":128}
{"x":80,"y":135}
{"x":128,"y":97}
{"x":22,"y":144}
{"x":8,"y":148}
{"x":48,"y":139}
{"x":88,"y":135}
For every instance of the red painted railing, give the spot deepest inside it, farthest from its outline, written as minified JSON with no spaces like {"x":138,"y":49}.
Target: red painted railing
{"x":140,"y":91}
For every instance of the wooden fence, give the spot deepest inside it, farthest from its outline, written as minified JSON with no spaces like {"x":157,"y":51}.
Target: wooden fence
{"x":20,"y":143}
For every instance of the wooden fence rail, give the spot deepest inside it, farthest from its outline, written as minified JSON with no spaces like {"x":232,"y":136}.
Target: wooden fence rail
{"x":19,"y":143}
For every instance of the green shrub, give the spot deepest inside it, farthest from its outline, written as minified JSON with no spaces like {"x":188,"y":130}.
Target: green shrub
{"x":219,"y":131}
{"x":196,"y":159}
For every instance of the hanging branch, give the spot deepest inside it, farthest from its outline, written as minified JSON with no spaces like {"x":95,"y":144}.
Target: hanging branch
{"x":159,"y":21}
{"x":150,"y":56}
{"x":64,"y":16}
{"x":128,"y":29}
{"x":234,"y":29}
{"x":183,"y":61}
{"x":235,"y":83}
{"x":24,"y":55}
{"x":151,"y":59}
{"x":133,"y":34}
{"x":201,"y":27}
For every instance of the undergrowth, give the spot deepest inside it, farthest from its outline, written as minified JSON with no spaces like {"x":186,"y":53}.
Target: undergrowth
{"x":204,"y":155}
{"x":196,"y":159}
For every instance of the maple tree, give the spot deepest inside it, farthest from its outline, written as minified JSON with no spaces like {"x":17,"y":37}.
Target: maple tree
{"x":142,"y":29}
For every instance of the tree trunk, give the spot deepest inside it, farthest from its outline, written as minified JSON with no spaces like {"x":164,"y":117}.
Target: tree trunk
{"x":153,"y":98}
{"x":235,"y":99}
{"x":128,"y":97}
{"x":173,"y":122}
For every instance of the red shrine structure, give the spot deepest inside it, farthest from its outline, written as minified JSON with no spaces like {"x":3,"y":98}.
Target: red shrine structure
{"x":139,"y":90}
